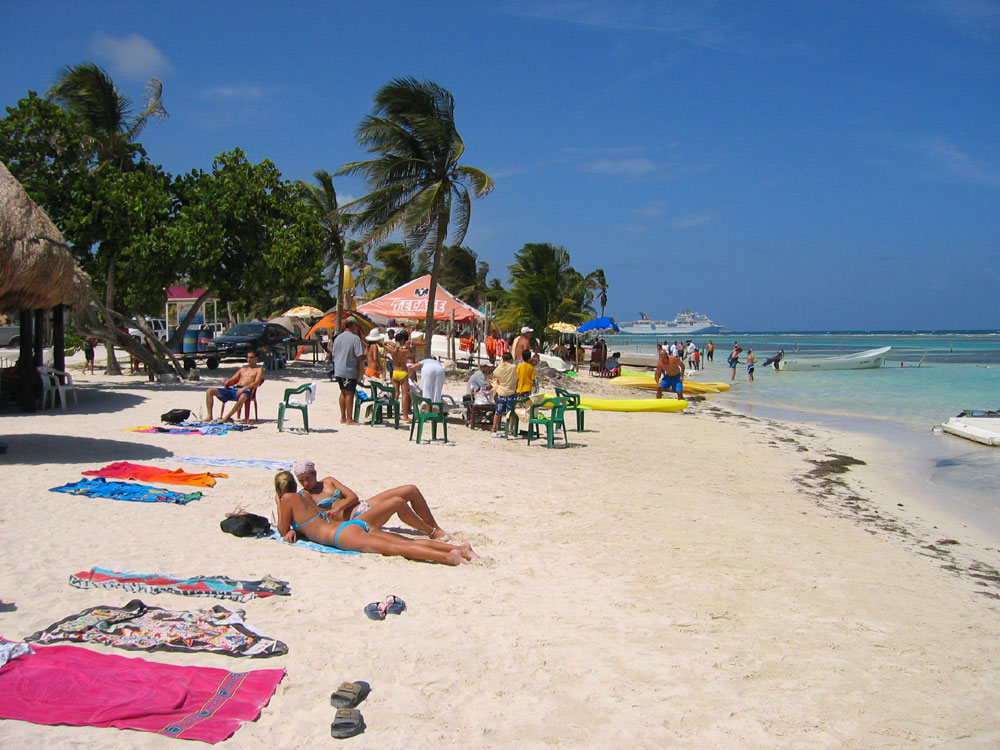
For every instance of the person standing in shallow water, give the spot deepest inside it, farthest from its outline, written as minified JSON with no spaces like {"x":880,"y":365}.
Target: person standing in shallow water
{"x":751,"y":361}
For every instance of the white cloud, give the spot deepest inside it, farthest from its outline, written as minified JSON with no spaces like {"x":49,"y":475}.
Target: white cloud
{"x":652,"y":209}
{"x":695,"y":220}
{"x":131,"y":56}
{"x":240,"y":92}
{"x":629,"y":166}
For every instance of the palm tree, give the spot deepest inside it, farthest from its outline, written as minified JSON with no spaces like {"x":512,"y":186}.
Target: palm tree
{"x":356,"y":258}
{"x":322,"y":198}
{"x":87,"y":91}
{"x":464,"y":275}
{"x":545,"y":288}
{"x":416,"y":183}
{"x":597,"y":285}
{"x":398,"y":266}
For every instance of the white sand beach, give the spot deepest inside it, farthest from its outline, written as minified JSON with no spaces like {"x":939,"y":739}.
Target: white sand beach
{"x":668,"y":580}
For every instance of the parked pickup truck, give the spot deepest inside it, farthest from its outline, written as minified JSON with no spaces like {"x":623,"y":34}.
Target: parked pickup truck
{"x":10,"y":335}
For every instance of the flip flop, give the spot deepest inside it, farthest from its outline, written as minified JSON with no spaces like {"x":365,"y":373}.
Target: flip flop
{"x":375,"y":611}
{"x":348,"y":723}
{"x":350,"y":694}
{"x":394,"y":605}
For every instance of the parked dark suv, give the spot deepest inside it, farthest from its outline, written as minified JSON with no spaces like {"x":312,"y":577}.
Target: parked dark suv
{"x":244,"y":337}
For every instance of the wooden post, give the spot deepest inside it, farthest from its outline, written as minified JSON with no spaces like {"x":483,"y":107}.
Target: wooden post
{"x":59,"y":338}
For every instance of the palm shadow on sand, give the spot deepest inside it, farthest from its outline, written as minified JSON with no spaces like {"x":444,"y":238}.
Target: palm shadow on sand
{"x":39,"y":448}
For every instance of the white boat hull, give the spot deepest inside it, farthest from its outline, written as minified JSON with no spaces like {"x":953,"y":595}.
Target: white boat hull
{"x":866,"y":360}
{"x":985,"y":430}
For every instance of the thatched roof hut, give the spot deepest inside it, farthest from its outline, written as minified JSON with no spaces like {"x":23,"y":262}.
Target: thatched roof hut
{"x":37,"y":270}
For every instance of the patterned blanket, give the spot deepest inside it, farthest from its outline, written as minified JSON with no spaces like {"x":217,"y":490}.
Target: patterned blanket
{"x":79,"y":687}
{"x":196,"y":428}
{"x":219,"y":587}
{"x":139,"y":627}
{"x":136,"y":493}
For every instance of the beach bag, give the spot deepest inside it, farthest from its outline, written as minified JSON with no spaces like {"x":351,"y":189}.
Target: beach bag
{"x":246,"y":524}
{"x":175,"y":416}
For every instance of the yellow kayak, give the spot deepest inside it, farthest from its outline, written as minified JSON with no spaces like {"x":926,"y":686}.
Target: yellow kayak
{"x":633,"y":404}
{"x":690,"y":386}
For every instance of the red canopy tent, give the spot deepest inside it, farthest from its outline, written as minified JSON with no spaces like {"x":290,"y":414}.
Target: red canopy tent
{"x":409,"y":302}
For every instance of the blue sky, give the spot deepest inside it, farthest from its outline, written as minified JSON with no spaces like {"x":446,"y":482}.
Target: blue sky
{"x":775,"y":165}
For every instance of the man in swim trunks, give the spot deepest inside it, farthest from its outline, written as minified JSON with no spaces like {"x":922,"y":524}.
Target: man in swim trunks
{"x":669,"y":374}
{"x":238,"y":388}
{"x":348,"y":362}
{"x":751,"y":361}
{"x":406,"y":502}
{"x":505,"y":386}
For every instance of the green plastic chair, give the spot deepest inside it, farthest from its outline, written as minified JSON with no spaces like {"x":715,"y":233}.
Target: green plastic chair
{"x":550,"y":421}
{"x":573,"y":404}
{"x":385,"y":403}
{"x":435,"y":414}
{"x":289,"y":402}
{"x":359,"y":402}
{"x":513,"y":422}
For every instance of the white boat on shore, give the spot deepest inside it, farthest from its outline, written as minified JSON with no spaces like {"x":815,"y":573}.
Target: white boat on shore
{"x":981,"y":426}
{"x":866,"y":360}
{"x":686,"y":323}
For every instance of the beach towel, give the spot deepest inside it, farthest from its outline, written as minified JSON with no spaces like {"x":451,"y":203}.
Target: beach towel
{"x":138,"y":627}
{"x":135,"y":493}
{"x":154,"y":474}
{"x":77,"y":687}
{"x":259,"y":463}
{"x":311,"y":545}
{"x":195,"y":428}
{"x":218,"y":587}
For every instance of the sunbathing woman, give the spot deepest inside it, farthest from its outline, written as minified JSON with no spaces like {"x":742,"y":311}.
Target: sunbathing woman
{"x":299,"y":516}
{"x":406,"y":502}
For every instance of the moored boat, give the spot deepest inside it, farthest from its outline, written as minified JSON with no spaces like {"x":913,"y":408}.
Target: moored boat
{"x":981,"y":426}
{"x":686,"y":323}
{"x":866,"y":360}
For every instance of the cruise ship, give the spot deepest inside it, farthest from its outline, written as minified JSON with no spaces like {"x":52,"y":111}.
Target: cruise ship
{"x":686,"y":323}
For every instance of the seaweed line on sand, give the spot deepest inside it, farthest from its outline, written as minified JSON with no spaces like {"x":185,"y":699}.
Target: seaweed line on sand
{"x":825,"y":483}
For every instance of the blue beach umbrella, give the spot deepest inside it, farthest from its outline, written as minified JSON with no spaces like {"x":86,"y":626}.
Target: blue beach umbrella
{"x":599,"y":324}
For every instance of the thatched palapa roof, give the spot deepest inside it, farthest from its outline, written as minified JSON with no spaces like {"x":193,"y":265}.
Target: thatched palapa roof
{"x":37,"y":270}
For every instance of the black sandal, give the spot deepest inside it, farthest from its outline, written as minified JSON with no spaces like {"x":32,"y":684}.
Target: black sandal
{"x":350,"y":694}
{"x":349,"y":722}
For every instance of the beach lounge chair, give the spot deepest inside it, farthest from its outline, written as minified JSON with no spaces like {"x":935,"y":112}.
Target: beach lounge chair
{"x":297,"y":398}
{"x":56,"y":383}
{"x":435,"y":414}
{"x":573,"y":404}
{"x":550,"y":422}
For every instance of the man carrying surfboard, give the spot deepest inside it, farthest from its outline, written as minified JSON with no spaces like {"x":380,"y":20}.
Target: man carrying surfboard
{"x":669,"y":374}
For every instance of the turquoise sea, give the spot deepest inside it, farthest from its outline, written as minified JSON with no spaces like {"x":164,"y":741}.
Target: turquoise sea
{"x":928,"y":377}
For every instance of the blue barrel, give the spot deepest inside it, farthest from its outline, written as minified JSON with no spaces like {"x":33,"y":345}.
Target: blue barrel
{"x":191,"y":339}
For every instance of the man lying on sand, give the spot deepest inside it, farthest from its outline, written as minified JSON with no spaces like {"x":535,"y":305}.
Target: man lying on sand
{"x":300,"y":516}
{"x":406,"y":502}
{"x":238,"y":388}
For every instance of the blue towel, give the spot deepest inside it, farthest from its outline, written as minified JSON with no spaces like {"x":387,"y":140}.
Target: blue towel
{"x":311,"y":545}
{"x":136,"y":493}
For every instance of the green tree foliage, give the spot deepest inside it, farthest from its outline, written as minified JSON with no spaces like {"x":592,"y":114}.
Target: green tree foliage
{"x":597,"y":287}
{"x":107,"y":116}
{"x":398,"y":265}
{"x":322,"y":198}
{"x":464,"y":275}
{"x":243,"y":232}
{"x":417,"y":186}
{"x":545,"y":289}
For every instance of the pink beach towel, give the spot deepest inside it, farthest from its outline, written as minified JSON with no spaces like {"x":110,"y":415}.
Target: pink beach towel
{"x":74,"y":686}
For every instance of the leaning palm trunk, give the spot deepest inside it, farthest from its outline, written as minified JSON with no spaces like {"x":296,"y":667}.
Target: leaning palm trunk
{"x":439,"y":240}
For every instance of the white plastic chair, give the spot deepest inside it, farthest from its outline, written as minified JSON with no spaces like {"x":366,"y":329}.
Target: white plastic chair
{"x":56,"y":382}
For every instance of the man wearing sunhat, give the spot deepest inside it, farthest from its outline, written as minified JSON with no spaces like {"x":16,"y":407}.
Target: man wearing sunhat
{"x":523,"y":342}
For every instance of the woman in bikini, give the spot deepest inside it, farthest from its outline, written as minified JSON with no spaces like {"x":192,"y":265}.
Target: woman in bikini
{"x":401,"y":355}
{"x":300,"y":516}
